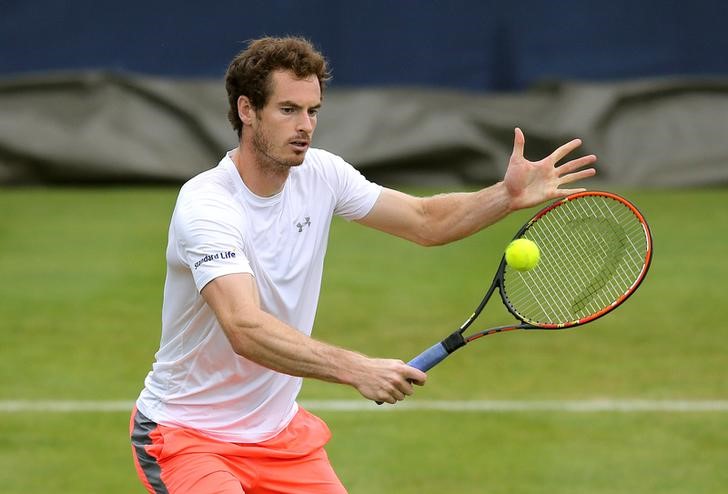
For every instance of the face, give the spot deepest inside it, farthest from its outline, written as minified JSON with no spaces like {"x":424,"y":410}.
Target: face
{"x":283,"y":128}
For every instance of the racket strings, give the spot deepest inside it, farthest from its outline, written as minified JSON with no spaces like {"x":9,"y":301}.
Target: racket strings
{"x":593,"y":251}
{"x":599,"y":250}
{"x":597,"y":239}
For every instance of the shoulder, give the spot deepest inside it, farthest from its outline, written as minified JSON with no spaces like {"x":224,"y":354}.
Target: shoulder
{"x":354,"y":195}
{"x":214,"y":180}
{"x":327,"y":166}
{"x":209,"y":195}
{"x":215,"y":184}
{"x":320,"y":159}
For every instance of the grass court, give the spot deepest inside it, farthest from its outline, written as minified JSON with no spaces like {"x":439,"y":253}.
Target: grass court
{"x":82,"y":271}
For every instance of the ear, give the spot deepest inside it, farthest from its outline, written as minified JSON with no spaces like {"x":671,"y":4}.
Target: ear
{"x":245,"y":110}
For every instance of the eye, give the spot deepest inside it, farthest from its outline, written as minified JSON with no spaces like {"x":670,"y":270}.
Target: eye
{"x":313,"y":112}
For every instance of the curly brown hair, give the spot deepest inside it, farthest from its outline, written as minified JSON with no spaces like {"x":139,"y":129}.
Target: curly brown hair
{"x":249,"y":73}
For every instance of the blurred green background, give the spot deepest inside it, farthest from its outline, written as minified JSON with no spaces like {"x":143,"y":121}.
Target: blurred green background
{"x":82,"y":272}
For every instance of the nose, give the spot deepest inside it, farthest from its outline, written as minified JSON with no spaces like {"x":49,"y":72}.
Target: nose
{"x":306,"y":123}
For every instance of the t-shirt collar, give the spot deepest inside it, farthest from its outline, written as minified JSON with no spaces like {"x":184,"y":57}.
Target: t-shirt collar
{"x":250,"y":196}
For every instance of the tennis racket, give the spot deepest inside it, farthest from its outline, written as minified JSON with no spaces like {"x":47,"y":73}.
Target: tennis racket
{"x":596,"y":248}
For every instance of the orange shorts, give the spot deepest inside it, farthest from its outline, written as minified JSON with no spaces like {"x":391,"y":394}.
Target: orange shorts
{"x":178,"y":461}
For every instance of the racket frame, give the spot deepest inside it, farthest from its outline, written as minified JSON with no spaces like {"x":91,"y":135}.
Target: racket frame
{"x":438,"y":352}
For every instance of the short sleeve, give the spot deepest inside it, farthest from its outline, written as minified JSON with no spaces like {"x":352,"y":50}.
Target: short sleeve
{"x":355,"y":195}
{"x":209,"y":238}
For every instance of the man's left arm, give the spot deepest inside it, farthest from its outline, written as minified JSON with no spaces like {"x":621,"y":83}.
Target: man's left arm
{"x":444,"y":218}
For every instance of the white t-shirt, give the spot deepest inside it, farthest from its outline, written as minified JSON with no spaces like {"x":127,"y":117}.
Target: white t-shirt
{"x":220,"y":227}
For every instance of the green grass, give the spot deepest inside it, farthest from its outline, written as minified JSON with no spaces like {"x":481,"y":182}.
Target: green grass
{"x":82,"y":273}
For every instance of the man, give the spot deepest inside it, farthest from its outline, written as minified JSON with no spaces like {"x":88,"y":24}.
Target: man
{"x":245,"y":253}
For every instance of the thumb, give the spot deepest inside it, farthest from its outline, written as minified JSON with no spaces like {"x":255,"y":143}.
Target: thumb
{"x":519,"y":141}
{"x":416,"y":376}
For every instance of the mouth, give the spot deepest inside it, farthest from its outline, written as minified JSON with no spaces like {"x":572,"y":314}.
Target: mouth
{"x":299,"y":145}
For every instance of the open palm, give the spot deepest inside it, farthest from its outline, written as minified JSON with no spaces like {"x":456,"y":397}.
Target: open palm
{"x":532,"y":182}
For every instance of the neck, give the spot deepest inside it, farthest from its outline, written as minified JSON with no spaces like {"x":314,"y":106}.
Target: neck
{"x":263,"y":176}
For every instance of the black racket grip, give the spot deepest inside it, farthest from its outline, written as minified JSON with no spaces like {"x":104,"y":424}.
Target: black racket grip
{"x":437,"y":352}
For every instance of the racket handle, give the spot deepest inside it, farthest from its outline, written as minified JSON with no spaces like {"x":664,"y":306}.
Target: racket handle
{"x":437,"y":352}
{"x":429,"y":358}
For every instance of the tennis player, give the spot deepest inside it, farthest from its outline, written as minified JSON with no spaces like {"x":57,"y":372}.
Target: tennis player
{"x":245,"y":255}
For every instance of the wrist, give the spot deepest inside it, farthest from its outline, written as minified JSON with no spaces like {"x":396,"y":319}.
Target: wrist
{"x":505,"y":197}
{"x":346,"y":367}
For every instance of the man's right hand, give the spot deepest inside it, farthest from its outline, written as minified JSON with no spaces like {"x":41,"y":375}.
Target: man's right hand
{"x":387,"y":380}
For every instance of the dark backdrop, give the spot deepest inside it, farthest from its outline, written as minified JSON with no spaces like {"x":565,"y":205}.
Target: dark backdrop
{"x":459,"y":44}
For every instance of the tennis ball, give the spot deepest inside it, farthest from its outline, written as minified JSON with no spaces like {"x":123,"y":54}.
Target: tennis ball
{"x":522,"y":254}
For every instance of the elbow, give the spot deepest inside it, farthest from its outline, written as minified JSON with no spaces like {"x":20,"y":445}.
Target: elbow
{"x":432,"y":234}
{"x":427,"y":232}
{"x":429,"y":241}
{"x":240,"y":331}
{"x":433,"y":228}
{"x":240,"y":346}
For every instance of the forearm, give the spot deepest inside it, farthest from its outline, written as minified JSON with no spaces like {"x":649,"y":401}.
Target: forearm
{"x":445,"y":218}
{"x":266,"y":340}
{"x":271,"y":343}
{"x":451,"y":217}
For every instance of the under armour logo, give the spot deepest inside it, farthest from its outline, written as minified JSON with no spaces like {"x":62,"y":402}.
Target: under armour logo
{"x":306,"y":222}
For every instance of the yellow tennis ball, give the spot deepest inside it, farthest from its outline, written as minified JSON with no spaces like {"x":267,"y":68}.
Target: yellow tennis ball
{"x":522,"y":254}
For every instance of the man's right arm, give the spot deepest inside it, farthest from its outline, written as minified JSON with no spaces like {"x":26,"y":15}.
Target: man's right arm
{"x":264,"y":339}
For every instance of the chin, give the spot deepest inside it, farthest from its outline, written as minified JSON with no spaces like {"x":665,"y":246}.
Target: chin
{"x":297,"y":160}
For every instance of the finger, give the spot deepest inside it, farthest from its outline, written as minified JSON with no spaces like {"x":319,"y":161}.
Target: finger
{"x":519,"y":141}
{"x":386,"y":399}
{"x":574,"y":165}
{"x":576,"y":176}
{"x":408,"y":388}
{"x":415,"y":376}
{"x":394,"y":394}
{"x":568,"y":192}
{"x":565,"y":149}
